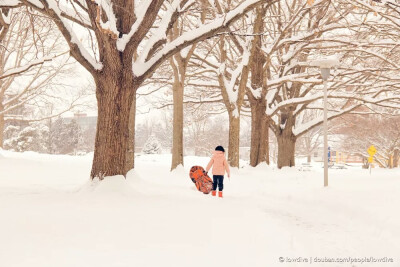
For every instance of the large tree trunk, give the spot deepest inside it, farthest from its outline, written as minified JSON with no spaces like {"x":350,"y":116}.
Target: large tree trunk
{"x":286,"y":149}
{"x":177,"y":137}
{"x":130,"y":153}
{"x":114,"y":95}
{"x":234,"y":138}
{"x":259,"y":147}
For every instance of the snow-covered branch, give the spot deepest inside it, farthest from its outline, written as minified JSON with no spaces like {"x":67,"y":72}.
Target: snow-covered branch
{"x":63,"y":16}
{"x":19,"y":70}
{"x":145,"y":14}
{"x":142,"y":68}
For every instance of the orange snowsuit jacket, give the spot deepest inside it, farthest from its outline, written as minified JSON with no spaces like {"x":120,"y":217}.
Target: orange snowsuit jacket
{"x":218,"y":163}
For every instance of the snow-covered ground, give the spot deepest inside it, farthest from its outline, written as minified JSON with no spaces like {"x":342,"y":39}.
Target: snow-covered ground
{"x":51,"y":215}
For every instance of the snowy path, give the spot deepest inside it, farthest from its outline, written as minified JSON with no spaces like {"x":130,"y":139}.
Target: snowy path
{"x":51,"y":216}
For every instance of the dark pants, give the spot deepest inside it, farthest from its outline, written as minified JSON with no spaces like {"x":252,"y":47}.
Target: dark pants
{"x":218,"y":180}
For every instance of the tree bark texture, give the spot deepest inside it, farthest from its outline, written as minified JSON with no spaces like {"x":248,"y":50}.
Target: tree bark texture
{"x":130,"y":153}
{"x":177,"y":136}
{"x":114,"y":95}
{"x":286,"y":142}
{"x":233,"y":108}
{"x":396,"y":155}
{"x":179,"y":65}
{"x":286,"y":149}
{"x":2,"y":125}
{"x":259,"y":147}
{"x":234,"y":141}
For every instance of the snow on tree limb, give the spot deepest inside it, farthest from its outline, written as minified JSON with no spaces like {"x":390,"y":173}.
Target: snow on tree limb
{"x":142,"y":68}
{"x":298,"y":131}
{"x":366,"y":77}
{"x":111,"y":23}
{"x":5,"y":15}
{"x":377,"y":10}
{"x":22,"y":69}
{"x":160,"y":34}
{"x":232,"y":82}
{"x":76,"y":45}
{"x":64,"y":14}
{"x":58,"y":13}
{"x":293,"y":101}
{"x":142,"y":17}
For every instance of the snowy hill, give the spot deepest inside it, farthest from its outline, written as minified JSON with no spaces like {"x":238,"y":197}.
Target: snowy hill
{"x":53,"y":216}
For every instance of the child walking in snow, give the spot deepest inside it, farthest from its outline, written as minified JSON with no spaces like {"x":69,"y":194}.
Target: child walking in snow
{"x":219,"y":166}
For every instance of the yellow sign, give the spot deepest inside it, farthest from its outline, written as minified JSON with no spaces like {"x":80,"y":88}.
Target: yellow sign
{"x":371,"y":150}
{"x":370,"y":159}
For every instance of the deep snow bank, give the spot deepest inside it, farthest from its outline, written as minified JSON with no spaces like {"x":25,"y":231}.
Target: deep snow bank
{"x":53,"y":215}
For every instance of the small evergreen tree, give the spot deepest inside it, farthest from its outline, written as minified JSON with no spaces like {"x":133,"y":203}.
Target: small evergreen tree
{"x":152,"y":146}
{"x":64,"y":136}
{"x":29,"y":138}
{"x":11,"y":131}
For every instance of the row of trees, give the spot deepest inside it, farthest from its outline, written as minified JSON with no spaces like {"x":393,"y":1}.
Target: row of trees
{"x":53,"y":137}
{"x":130,"y":42}
{"x":33,"y":67}
{"x":254,"y":53}
{"x":73,"y":136}
{"x":381,"y":130}
{"x":260,"y":65}
{"x":201,"y":132}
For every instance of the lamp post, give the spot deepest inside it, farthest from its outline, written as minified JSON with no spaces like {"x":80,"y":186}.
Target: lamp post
{"x":325,"y":72}
{"x":325,"y":66}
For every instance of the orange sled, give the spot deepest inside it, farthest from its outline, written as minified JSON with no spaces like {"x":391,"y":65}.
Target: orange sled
{"x":200,"y":179}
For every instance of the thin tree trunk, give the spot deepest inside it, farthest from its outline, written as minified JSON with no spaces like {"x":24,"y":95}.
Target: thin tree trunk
{"x":130,"y":153}
{"x":114,"y":100}
{"x":307,"y":141}
{"x":177,"y":137}
{"x":259,"y":147}
{"x":264,"y":147}
{"x":49,"y":137}
{"x":234,"y":121}
{"x":396,"y":155}
{"x":2,"y":125}
{"x":234,"y":138}
{"x":179,"y":64}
